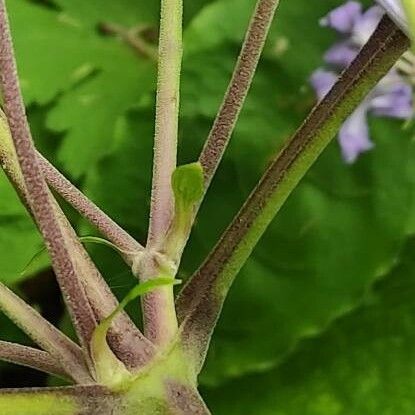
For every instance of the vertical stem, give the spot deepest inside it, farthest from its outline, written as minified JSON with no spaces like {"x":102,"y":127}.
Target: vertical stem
{"x":167,"y":113}
{"x":160,"y":320}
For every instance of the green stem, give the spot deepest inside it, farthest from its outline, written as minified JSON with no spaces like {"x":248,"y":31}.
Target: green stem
{"x":160,"y":320}
{"x":202,"y":298}
{"x":73,"y":400}
{"x":167,"y":113}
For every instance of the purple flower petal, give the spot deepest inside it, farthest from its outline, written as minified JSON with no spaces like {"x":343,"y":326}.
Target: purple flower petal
{"x":322,"y":81}
{"x":396,"y":102}
{"x":341,"y":54}
{"x":392,"y":97}
{"x":354,"y":135}
{"x":366,"y":24}
{"x":344,"y":17}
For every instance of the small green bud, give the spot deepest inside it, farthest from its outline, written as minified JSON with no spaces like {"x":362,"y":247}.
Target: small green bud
{"x":188,"y":185}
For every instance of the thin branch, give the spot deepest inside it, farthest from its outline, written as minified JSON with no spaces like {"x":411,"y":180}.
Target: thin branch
{"x":201,"y":300}
{"x":125,"y":339}
{"x":37,"y":190}
{"x":44,"y":334}
{"x":160,"y":322}
{"x":30,"y":357}
{"x":126,"y":243}
{"x":167,"y":113}
{"x":133,"y":38}
{"x":238,"y":88}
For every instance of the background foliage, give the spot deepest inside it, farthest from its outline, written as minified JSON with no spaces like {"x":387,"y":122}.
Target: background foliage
{"x":321,"y":319}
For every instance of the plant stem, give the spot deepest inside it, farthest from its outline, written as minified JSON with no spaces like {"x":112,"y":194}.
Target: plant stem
{"x":69,"y":400}
{"x":30,"y":357}
{"x":37,"y":191}
{"x":167,"y":113}
{"x":201,"y":300}
{"x":126,"y":243}
{"x":125,"y":338}
{"x":238,"y":88}
{"x":44,"y":334}
{"x":165,"y":153}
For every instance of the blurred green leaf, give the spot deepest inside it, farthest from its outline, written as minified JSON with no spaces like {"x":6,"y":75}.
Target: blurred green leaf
{"x":362,"y":365}
{"x":19,"y":239}
{"x":102,"y":79}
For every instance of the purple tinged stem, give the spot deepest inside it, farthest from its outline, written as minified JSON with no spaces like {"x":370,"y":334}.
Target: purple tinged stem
{"x":238,"y":88}
{"x":160,"y":322}
{"x":201,"y":300}
{"x":37,"y":191}
{"x":126,"y":340}
{"x":127,"y":245}
{"x":167,"y":114}
{"x":124,"y":337}
{"x":48,"y":337}
{"x":30,"y":357}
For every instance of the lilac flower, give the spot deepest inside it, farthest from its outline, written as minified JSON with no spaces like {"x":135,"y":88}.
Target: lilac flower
{"x":391,"y":98}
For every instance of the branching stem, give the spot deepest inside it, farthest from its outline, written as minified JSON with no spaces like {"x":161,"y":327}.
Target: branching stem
{"x":159,"y":314}
{"x":118,"y":236}
{"x":37,"y":191}
{"x":202,"y":298}
{"x":30,"y":357}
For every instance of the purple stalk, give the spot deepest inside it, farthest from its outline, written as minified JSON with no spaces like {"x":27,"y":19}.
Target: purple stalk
{"x":126,"y":340}
{"x":49,"y":338}
{"x":238,"y":88}
{"x":37,"y":191}
{"x":201,"y":300}
{"x":127,"y":245}
{"x":160,"y":322}
{"x":30,"y":357}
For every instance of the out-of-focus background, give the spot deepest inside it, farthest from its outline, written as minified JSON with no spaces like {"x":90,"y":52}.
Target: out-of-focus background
{"x":321,"y":321}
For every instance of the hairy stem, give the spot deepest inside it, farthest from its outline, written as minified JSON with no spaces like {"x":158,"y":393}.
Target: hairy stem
{"x":238,"y":88}
{"x":37,"y":191}
{"x":49,"y":338}
{"x":161,"y":302}
{"x":118,"y":236}
{"x":167,"y":113}
{"x":30,"y":357}
{"x":73,"y":400}
{"x":200,"y":302}
{"x":124,"y":337}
